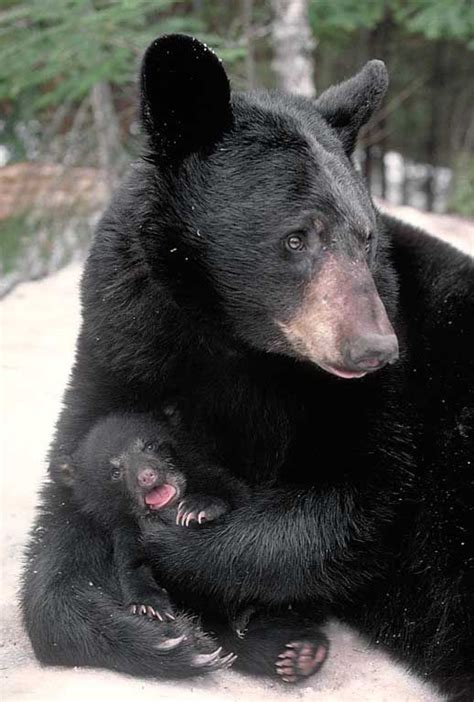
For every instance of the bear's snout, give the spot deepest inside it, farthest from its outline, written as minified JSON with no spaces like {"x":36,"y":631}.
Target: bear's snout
{"x":371,"y":352}
{"x":341,"y":324}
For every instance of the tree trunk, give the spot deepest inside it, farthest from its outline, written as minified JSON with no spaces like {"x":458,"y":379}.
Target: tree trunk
{"x":405,"y":184}
{"x":436,"y":108}
{"x":293,"y":45}
{"x":107,"y":130}
{"x":247,"y":13}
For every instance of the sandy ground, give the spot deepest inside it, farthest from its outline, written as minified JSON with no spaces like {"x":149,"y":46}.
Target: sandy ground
{"x":39,"y":322}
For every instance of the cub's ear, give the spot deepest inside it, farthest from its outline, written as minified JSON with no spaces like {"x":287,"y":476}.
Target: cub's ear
{"x":185,"y":96}
{"x":65,"y":471}
{"x":348,"y":106}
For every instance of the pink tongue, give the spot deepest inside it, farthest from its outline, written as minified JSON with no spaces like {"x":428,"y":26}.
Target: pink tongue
{"x":160,"y":496}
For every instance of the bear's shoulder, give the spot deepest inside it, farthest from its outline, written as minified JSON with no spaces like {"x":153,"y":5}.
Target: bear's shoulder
{"x":431,"y":272}
{"x":436,"y":298}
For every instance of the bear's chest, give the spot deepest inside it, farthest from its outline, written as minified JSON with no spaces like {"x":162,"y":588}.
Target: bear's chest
{"x":291,"y":426}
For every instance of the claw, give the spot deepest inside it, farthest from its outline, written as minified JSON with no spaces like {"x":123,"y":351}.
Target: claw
{"x":227,"y":661}
{"x":170,"y":616}
{"x":205,"y":659}
{"x":169,"y":644}
{"x":288,"y":655}
{"x":201,"y":516}
{"x":190,"y":517}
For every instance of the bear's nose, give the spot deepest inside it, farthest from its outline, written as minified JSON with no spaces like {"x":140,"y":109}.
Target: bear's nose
{"x":147,"y":477}
{"x":371,"y":352}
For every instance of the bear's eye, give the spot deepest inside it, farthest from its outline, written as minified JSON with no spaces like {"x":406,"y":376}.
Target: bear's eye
{"x":295,"y":242}
{"x":150,"y":446}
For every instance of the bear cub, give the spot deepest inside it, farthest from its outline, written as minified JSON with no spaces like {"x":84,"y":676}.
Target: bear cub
{"x":131,"y":467}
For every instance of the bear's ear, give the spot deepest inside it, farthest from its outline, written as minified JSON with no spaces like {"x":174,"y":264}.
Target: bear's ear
{"x":185,"y":96}
{"x":348,"y":106}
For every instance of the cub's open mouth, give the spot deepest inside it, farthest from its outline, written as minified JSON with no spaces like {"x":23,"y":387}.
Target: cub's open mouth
{"x":161,"y":496}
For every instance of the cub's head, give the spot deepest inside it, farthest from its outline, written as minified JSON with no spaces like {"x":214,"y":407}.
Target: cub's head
{"x":263,"y":226}
{"x":126,"y":465}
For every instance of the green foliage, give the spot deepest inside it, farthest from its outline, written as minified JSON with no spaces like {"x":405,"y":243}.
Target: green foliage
{"x":328,"y":18}
{"x":433,"y":19}
{"x":439,"y":19}
{"x":52,"y":52}
{"x":56,"y":50}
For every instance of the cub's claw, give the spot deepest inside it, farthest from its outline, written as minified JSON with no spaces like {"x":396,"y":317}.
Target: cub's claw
{"x":149,"y":611}
{"x":200,"y":509}
{"x":185,"y":516}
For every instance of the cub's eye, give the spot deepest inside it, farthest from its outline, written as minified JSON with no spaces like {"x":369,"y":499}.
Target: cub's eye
{"x":115,"y":474}
{"x":150,"y":446}
{"x":295,"y":242}
{"x":368,"y":242}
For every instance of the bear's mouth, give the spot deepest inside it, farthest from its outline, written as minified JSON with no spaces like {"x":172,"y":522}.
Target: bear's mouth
{"x":161,"y":496}
{"x":342,"y":373}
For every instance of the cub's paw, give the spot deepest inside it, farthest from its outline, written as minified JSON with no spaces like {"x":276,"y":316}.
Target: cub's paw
{"x":300,"y":659}
{"x":151,"y":612}
{"x":152,"y":604}
{"x":200,"y":509}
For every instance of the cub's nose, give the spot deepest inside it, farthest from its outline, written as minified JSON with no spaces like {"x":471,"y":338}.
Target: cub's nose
{"x":371,"y":352}
{"x":147,"y":477}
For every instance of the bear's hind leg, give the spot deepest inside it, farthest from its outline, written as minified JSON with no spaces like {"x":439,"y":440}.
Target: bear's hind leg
{"x":287,"y":647}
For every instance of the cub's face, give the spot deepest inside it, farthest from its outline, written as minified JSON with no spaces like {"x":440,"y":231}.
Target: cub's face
{"x":275,"y":226}
{"x":146,"y":473}
{"x":126,"y":466}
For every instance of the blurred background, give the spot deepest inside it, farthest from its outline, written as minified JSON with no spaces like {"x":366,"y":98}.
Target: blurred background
{"x":68,"y":123}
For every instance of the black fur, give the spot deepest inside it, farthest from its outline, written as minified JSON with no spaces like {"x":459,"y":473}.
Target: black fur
{"x":362,"y":500}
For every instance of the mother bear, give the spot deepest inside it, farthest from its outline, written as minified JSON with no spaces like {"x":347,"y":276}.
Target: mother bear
{"x":322,"y":349}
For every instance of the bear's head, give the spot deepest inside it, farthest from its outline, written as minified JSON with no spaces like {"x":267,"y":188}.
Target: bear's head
{"x":265,"y":224}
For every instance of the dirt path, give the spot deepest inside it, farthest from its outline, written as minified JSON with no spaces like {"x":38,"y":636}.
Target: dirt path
{"x":39,"y":323}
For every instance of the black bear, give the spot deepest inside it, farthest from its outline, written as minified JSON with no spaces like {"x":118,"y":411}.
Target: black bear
{"x":243,"y":268}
